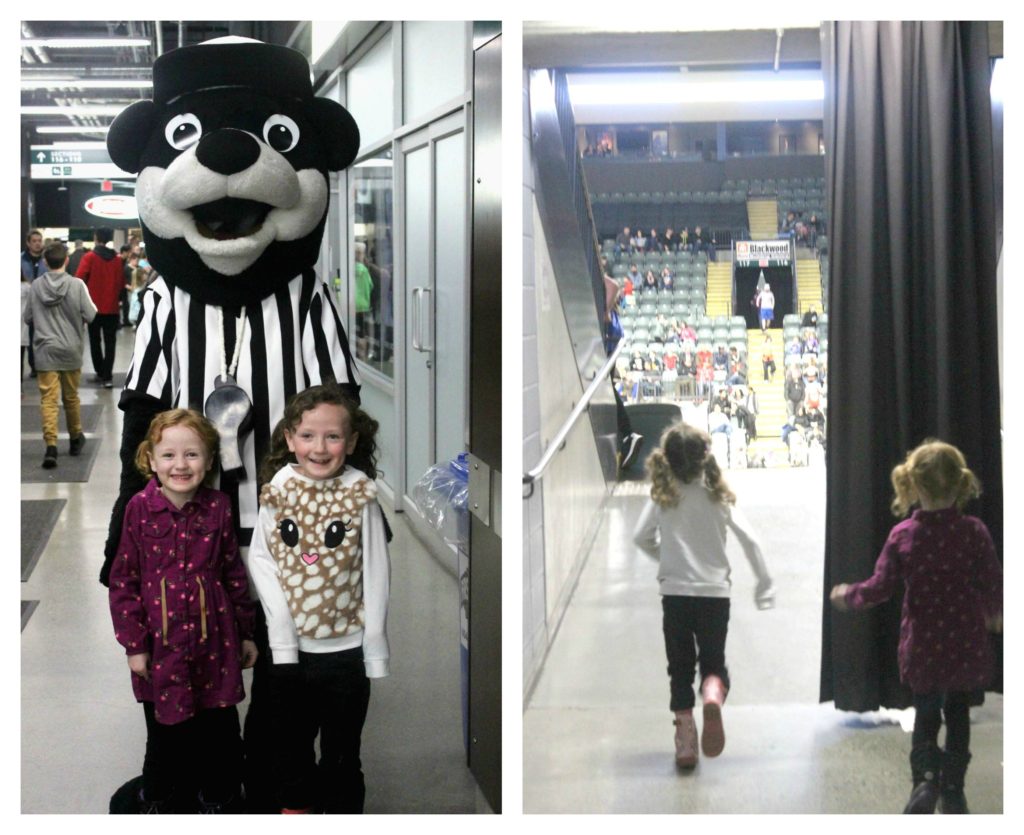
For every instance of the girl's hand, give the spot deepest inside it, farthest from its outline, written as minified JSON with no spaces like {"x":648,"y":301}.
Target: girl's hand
{"x":994,"y":623}
{"x":838,"y":597}
{"x":249,"y":654}
{"x":139,"y":664}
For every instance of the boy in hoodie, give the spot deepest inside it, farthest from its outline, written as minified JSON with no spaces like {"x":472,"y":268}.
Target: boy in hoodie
{"x":102,"y":270}
{"x":58,"y":306}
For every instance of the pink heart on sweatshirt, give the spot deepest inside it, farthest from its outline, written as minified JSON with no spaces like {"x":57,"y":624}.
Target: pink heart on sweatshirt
{"x":309,"y":559}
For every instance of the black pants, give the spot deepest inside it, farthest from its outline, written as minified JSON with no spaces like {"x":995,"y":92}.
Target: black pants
{"x":258,"y":776}
{"x":925,"y":755}
{"x":326,"y":694}
{"x":103,"y":328}
{"x":204,"y":752}
{"x":693,"y":624}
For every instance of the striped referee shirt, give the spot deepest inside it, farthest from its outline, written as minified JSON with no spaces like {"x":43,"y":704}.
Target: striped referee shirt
{"x":292,"y":339}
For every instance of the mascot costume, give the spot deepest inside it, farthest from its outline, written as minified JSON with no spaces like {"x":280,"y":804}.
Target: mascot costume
{"x":232,"y":156}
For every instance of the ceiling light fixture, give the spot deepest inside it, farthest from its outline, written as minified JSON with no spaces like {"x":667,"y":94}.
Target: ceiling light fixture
{"x":72,"y":110}
{"x":53,"y":82}
{"x":696,"y":92}
{"x":51,"y":129}
{"x":83,"y":43}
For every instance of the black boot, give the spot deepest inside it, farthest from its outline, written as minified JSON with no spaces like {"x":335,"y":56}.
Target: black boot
{"x":50,"y":458}
{"x":925,"y":761}
{"x":954,"y":768}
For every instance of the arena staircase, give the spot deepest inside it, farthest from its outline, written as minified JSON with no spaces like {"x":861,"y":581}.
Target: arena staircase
{"x":808,"y":284}
{"x":719,"y":301}
{"x":762,"y":217}
{"x":771,"y":397}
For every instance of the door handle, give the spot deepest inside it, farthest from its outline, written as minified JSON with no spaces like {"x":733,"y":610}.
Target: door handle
{"x":416,"y":336}
{"x":425,"y":316}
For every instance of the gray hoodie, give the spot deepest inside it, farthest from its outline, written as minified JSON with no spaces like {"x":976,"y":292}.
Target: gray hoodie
{"x":58,"y":306}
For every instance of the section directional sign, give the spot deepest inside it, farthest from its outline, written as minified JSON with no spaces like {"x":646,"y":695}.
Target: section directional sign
{"x":85,"y":163}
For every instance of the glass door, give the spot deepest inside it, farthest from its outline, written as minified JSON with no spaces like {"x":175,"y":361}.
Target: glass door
{"x":435,"y":295}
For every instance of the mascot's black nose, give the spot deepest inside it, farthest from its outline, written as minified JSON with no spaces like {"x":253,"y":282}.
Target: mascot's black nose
{"x":227,"y":151}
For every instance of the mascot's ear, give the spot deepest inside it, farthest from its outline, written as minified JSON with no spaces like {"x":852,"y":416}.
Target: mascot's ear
{"x":338,"y":132}
{"x":129,"y":135}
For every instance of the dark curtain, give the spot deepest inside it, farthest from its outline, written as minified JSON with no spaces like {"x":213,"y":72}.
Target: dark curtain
{"x":912,"y":302}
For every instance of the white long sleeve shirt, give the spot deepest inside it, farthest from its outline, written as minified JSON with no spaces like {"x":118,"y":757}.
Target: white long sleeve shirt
{"x":276,"y":578}
{"x":689,"y":542}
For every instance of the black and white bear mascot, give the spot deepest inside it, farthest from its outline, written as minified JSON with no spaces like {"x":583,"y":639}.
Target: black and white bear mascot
{"x":232,"y":156}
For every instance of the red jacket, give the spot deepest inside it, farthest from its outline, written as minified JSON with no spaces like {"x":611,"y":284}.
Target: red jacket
{"x":102,"y":270}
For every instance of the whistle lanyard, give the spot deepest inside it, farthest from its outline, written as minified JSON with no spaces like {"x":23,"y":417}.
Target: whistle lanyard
{"x":228,"y":372}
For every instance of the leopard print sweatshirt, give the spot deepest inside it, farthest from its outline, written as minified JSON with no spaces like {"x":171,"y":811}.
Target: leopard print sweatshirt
{"x":319,"y":563}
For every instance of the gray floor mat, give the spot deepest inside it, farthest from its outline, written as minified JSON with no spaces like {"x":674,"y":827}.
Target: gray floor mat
{"x":38,"y":516}
{"x":77,"y":468}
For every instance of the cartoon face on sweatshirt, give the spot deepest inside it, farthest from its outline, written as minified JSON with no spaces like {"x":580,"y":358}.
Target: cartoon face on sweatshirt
{"x":316,"y":543}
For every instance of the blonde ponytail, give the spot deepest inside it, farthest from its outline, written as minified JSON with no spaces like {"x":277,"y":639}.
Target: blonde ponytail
{"x":903,"y":485}
{"x":664,"y":487}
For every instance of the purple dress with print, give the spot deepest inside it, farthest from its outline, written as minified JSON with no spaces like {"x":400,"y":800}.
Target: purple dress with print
{"x":178,"y":590}
{"x":953,"y":581}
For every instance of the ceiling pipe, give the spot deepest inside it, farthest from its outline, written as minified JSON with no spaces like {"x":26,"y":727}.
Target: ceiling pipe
{"x":159,"y":37}
{"x":181,"y":33}
{"x":778,"y":47}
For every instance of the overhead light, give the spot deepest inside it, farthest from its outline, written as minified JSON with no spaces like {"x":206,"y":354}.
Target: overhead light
{"x":83,"y":43}
{"x":71,"y":129}
{"x":54,"y":82}
{"x":697,"y":92}
{"x":77,"y":146}
{"x":72,"y":109}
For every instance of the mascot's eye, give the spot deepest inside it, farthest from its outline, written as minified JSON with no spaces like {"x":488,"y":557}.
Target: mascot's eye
{"x":289,"y":532}
{"x":281,"y":133}
{"x":335,"y":533}
{"x":182,"y":131}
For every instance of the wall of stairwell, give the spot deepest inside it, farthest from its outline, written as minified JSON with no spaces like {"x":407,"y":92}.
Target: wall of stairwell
{"x":561,"y":516}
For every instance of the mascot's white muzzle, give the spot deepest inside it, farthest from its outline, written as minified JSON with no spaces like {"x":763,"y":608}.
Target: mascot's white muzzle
{"x":229,"y":219}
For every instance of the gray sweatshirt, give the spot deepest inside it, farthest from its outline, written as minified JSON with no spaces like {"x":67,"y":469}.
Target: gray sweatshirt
{"x":58,"y":306}
{"x":689,"y":540}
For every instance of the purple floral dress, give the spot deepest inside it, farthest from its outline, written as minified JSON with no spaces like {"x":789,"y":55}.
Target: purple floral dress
{"x":178,"y":590}
{"x":953,"y":580}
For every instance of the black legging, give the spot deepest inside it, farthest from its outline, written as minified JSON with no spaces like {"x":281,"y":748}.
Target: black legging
{"x":693,"y":624}
{"x":204,"y":751}
{"x":925,"y":755}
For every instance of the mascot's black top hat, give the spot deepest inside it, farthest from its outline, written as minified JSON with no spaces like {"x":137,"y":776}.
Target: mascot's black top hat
{"x":278,"y":70}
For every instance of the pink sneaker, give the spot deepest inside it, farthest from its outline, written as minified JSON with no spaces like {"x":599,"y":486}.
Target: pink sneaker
{"x":712,"y":738}
{"x":686,"y":739}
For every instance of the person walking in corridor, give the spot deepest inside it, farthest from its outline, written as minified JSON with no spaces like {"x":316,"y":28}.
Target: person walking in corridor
{"x":684,"y":525}
{"x":102,"y":270}
{"x":58,"y":307}
{"x":945,"y":562}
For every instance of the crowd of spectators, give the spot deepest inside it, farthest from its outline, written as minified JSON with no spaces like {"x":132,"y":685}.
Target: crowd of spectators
{"x":696,"y":240}
{"x":804,"y":230}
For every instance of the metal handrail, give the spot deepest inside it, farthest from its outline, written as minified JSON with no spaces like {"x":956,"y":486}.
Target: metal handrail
{"x":558,"y":442}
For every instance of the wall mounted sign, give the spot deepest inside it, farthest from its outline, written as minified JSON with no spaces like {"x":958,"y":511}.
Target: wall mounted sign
{"x":112,"y":206}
